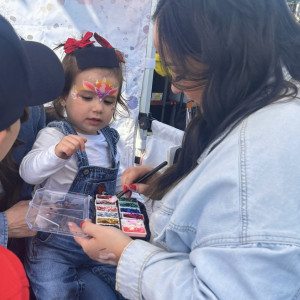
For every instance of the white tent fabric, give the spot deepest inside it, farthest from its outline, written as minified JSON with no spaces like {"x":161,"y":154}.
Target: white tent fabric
{"x":161,"y":145}
{"x":124,"y":23}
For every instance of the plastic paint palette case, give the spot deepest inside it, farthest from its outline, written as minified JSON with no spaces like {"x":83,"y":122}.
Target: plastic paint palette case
{"x":124,"y":214}
{"x":51,"y":211}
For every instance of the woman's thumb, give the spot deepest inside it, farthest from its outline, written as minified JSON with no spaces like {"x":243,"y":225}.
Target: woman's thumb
{"x":89,"y":228}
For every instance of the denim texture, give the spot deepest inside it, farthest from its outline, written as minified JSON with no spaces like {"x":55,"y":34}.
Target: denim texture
{"x":3,"y":229}
{"x":56,"y":265}
{"x":27,"y":134}
{"x":230,"y":229}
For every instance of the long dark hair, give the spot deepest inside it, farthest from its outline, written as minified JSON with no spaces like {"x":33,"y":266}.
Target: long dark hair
{"x":244,"y":44}
{"x":56,"y":111}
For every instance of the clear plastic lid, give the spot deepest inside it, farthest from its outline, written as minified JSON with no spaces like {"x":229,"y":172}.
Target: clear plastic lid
{"x":51,"y":211}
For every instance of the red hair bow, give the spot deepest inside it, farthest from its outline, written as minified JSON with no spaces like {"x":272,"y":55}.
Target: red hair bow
{"x":104,"y":43}
{"x":72,"y":44}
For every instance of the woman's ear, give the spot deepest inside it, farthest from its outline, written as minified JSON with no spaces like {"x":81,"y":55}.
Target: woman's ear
{"x":8,"y":137}
{"x":62,"y":102}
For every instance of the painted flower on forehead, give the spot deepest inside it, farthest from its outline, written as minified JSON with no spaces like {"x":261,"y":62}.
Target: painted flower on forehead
{"x":102,"y":88}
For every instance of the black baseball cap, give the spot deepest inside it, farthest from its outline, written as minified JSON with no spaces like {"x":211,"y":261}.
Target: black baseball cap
{"x":30,"y":74}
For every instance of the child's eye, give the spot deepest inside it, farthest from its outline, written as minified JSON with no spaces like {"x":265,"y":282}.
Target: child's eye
{"x":86,"y":98}
{"x":108,"y":102}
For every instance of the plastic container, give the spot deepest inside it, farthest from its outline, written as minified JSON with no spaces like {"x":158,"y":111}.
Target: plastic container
{"x":50,"y":211}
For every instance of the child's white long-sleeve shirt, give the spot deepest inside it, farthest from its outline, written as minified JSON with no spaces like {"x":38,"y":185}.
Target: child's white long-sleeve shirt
{"x":42,"y":167}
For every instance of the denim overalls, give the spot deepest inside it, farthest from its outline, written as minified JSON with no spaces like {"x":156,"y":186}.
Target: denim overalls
{"x":56,"y":265}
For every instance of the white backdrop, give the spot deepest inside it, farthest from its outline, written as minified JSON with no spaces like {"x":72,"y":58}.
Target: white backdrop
{"x":124,"y":23}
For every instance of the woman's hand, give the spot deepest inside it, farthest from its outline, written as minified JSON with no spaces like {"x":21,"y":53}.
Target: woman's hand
{"x":104,"y":243}
{"x":17,"y":226}
{"x":131,"y":175}
{"x":69,"y":145}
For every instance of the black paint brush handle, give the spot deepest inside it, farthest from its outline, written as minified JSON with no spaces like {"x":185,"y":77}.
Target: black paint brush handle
{"x":145,"y":177}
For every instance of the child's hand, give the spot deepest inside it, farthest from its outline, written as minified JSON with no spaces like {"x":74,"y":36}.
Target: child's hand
{"x":69,"y":145}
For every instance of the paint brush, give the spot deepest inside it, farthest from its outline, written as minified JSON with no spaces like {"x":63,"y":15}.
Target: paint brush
{"x":145,"y":177}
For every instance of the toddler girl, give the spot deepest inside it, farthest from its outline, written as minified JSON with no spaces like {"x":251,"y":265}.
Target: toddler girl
{"x":77,"y":153}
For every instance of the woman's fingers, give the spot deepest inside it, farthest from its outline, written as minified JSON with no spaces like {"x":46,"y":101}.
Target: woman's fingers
{"x":131,"y":175}
{"x":103,"y":243}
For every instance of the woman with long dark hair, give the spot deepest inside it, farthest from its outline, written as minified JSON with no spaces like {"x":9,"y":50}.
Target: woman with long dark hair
{"x":228,"y":222}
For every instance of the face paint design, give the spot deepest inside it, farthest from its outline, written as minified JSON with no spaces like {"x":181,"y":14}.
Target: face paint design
{"x":102,"y":88}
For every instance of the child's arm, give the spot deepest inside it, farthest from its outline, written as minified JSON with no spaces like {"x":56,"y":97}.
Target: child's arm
{"x":46,"y":156}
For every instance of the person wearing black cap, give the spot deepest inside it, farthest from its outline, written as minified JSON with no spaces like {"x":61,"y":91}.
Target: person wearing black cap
{"x":77,"y":154}
{"x":30,"y":75}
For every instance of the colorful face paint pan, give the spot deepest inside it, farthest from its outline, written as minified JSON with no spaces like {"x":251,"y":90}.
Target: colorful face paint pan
{"x":125,"y":214}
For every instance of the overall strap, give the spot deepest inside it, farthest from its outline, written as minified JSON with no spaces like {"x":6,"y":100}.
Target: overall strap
{"x":66,"y":128}
{"x":112,"y":137}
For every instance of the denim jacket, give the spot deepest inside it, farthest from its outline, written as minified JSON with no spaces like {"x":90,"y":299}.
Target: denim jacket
{"x":231,"y":228}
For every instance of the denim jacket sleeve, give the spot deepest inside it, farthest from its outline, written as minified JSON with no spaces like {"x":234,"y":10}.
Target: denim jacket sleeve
{"x":209,"y":273}
{"x":29,"y":130}
{"x":230,"y":229}
{"x":3,"y":229}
